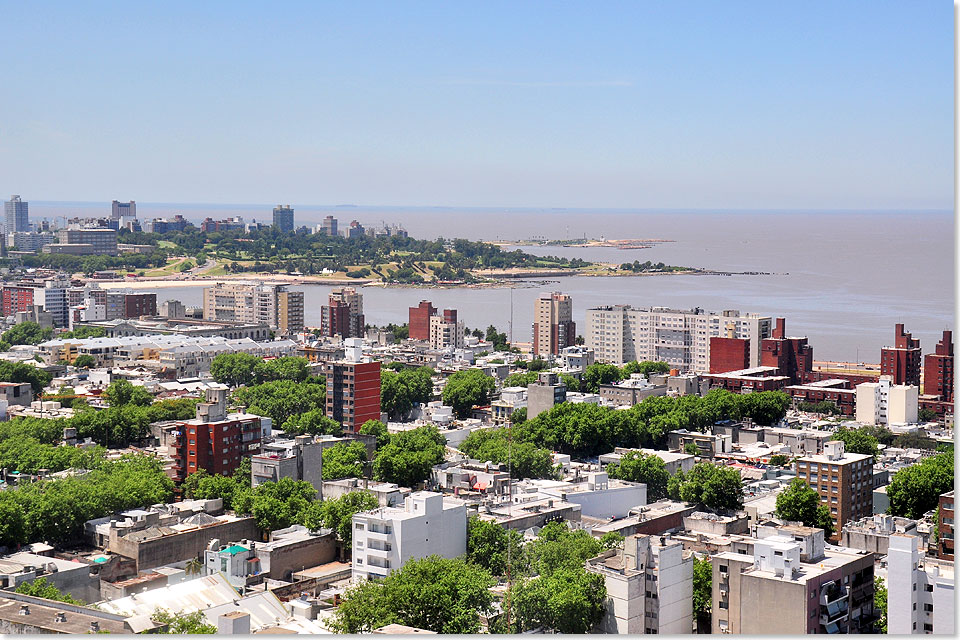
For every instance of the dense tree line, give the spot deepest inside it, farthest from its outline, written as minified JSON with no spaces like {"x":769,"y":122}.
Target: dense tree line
{"x":236,"y":369}
{"x":281,"y":400}
{"x":467,"y":389}
{"x":636,"y":466}
{"x":55,"y":510}
{"x":586,"y":429}
{"x":527,"y":459}
{"x":23,"y":372}
{"x":601,"y":374}
{"x":400,"y":390}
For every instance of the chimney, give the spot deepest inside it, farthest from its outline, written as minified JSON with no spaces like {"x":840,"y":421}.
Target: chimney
{"x":780,"y":330}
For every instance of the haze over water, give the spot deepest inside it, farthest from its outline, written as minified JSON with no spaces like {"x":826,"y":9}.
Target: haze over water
{"x":842,"y":278}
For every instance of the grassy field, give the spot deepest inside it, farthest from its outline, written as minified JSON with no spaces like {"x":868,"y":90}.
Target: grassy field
{"x":168,"y":270}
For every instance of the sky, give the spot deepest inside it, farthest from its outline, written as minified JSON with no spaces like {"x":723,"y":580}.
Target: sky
{"x":756,"y":105}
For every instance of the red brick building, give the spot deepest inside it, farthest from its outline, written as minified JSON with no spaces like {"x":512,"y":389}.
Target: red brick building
{"x":902,"y":361}
{"x":838,"y":391}
{"x":17,"y":299}
{"x":215,"y":440}
{"x":729,"y":354}
{"x":140,"y":304}
{"x":748,"y":380}
{"x":945,"y":527}
{"x":792,"y":357}
{"x":343,"y":314}
{"x":353,"y":393}
{"x":419,"y":322}
{"x":938,"y":370}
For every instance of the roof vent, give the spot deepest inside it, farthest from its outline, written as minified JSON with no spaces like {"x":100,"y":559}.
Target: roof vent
{"x":94,"y":626}
{"x":24,"y":610}
{"x":60,"y":617}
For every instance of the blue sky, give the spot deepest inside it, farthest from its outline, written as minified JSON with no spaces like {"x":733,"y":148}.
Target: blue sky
{"x":554,"y":104}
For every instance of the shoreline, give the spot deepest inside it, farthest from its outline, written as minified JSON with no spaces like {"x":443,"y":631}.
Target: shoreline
{"x":502,"y":280}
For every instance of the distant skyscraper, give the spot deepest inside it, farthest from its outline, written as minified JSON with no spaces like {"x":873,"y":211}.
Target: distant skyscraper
{"x":553,"y":325}
{"x":283,"y":218}
{"x":330,"y":226}
{"x":123,"y":210}
{"x":902,"y":361}
{"x":16,"y":216}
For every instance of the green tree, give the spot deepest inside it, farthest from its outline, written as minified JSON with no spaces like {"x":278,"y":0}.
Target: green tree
{"x":83,"y":332}
{"x":189,"y":485}
{"x":702,"y":591}
{"x":182,"y":623}
{"x":293,"y":368}
{"x":467,"y":389}
{"x":338,"y":514}
{"x":488,"y":545}
{"x":344,"y":460}
{"x":26,"y":333}
{"x":399,"y":391}
{"x":712,"y":485}
{"x":598,"y":374}
{"x":519,"y":416}
{"x":880,"y":603}
{"x":40,"y":588}
{"x":282,"y":399}
{"x":23,"y":372}
{"x":915,"y":490}
{"x":122,"y":393}
{"x":856,"y":441}
{"x":571,"y":600}
{"x":275,"y":505}
{"x":217,"y":486}
{"x":557,"y":547}
{"x":646,"y":368}
{"x":314,"y":422}
{"x":409,"y":457}
{"x":799,"y":503}
{"x":84,"y":361}
{"x":378,"y":429}
{"x":234,"y":369}
{"x":779,"y":460}
{"x":526,"y":459}
{"x":432,"y":593}
{"x":522,"y":379}
{"x":636,"y":466}
{"x":691,"y":448}
{"x":926,"y":415}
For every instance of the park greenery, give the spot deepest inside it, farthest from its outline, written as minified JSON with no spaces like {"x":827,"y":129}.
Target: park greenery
{"x":54,"y":510}
{"x":915,"y":490}
{"x":800,"y":503}
{"x":636,"y":466}
{"x":714,"y":486}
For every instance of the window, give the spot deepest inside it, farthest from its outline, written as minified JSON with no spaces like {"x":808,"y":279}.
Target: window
{"x":914,"y":604}
{"x":928,"y":587}
{"x":359,"y":526}
{"x":778,"y":553}
{"x":723,"y":604}
{"x":723,"y":568}
{"x":928,"y":607}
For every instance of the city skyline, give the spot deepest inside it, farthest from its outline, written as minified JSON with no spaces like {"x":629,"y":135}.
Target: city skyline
{"x":744,"y":106}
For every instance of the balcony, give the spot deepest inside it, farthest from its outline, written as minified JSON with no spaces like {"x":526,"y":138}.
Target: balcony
{"x":834,"y":612}
{"x":832,"y":593}
{"x":373,"y":552}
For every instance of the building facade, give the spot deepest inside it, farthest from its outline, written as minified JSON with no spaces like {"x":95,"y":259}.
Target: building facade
{"x":885,"y":403}
{"x":843,"y":480}
{"x":938,"y":370}
{"x":123,"y":210}
{"x":553,"y":325}
{"x":902,"y":361}
{"x":792,"y":357}
{"x":343,"y":315}
{"x":283,"y":218}
{"x":16,"y":215}
{"x":446,"y":331}
{"x":353,"y":388}
{"x":920,"y":591}
{"x":621,"y":333}
{"x":386,"y":538}
{"x":419,"y":320}
{"x":86,"y":241}
{"x":272,"y":304}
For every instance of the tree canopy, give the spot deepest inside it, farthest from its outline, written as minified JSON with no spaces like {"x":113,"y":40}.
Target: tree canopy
{"x":282,"y":399}
{"x":23,"y":372}
{"x":344,"y":460}
{"x":488,"y":544}
{"x":337,"y":514}
{"x":400,"y":390}
{"x":432,"y":593}
{"x":410,"y":456}
{"x":467,"y":389}
{"x":857,"y":441}
{"x":314,"y":422}
{"x":26,"y":333}
{"x":916,"y":490}
{"x":527,"y":459}
{"x":800,"y":503}
{"x":636,"y":466}
{"x":712,"y":485}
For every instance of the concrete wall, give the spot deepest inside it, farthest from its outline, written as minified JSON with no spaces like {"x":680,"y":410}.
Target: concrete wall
{"x":279,"y":563}
{"x":182,"y":546}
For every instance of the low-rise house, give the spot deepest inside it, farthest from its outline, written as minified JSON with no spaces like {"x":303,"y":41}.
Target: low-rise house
{"x":79,"y":580}
{"x":872,"y":533}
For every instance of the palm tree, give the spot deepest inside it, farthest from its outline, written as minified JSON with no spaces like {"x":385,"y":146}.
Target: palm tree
{"x":193,"y":567}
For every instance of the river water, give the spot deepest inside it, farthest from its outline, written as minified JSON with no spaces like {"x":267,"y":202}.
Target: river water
{"x":841,"y":278}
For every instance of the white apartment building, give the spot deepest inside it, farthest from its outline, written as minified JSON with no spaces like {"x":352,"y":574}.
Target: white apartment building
{"x":427,"y":524}
{"x":649,"y":586}
{"x":621,"y":333}
{"x":446,"y":331}
{"x":920,"y":591}
{"x":885,"y":403}
{"x":272,"y":304}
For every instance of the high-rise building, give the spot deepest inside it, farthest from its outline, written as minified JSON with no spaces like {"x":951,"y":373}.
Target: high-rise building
{"x":353,"y":388}
{"x":938,"y":370}
{"x":16,"y":298}
{"x":343,"y":315}
{"x":649,"y":586}
{"x":945,"y":527}
{"x":792,"y":356}
{"x":621,"y":333}
{"x":283,"y":218}
{"x":16,"y":215}
{"x":271,"y":304}
{"x":289,"y":311}
{"x":215,"y":440}
{"x":355,"y":230}
{"x":792,"y":584}
{"x":329,"y":227}
{"x":920,"y":590}
{"x":129,"y":304}
{"x":843,"y":480}
{"x":902,"y":361}
{"x":123,"y":210}
{"x":419,"y":320}
{"x":553,"y":325}
{"x":30,"y":240}
{"x":446,"y":331}
{"x":85,"y":241}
